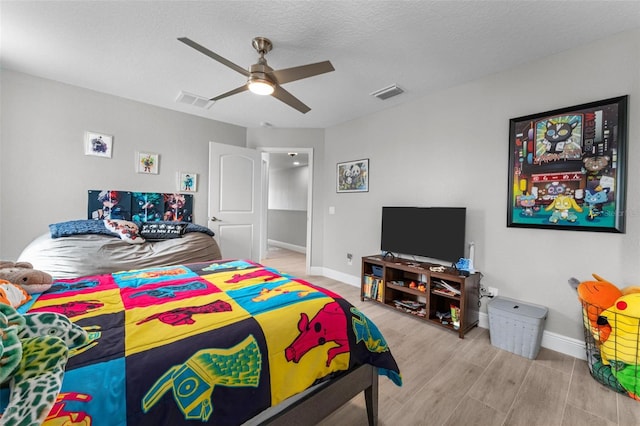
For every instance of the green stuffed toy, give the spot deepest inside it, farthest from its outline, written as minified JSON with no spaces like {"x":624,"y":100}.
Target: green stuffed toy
{"x":33,"y":355}
{"x":10,"y":345}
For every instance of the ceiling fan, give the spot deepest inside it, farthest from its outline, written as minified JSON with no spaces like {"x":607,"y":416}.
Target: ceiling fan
{"x":261,"y":78}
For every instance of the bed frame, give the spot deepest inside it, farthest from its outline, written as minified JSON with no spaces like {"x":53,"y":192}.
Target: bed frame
{"x":320,"y":401}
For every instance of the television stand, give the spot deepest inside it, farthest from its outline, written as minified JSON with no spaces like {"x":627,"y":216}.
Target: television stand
{"x":415,"y":289}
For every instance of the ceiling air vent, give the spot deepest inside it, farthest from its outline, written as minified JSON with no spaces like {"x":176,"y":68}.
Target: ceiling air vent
{"x":387,"y":92}
{"x":195,"y":100}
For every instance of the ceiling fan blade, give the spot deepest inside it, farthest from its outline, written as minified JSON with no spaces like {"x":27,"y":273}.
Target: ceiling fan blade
{"x":298,"y":73}
{"x":230,"y":92}
{"x":214,"y":55}
{"x":290,"y":100}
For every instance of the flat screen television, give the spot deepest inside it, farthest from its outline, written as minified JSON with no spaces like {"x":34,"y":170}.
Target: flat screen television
{"x":434,"y":232}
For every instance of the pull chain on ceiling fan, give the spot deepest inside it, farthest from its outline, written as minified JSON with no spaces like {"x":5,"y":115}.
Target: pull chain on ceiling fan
{"x":261,"y":78}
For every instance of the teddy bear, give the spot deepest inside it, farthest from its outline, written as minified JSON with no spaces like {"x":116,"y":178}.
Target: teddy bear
{"x":23,"y":274}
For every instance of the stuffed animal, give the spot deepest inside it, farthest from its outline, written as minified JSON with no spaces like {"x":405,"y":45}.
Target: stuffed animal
{"x":10,"y":345}
{"x":23,"y":274}
{"x":596,"y":296}
{"x":627,"y":376}
{"x":624,"y":319}
{"x":12,"y":294}
{"x":33,"y":354}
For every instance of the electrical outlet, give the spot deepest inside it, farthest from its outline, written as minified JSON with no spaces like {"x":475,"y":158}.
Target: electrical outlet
{"x":349,"y":259}
{"x":493,"y":292}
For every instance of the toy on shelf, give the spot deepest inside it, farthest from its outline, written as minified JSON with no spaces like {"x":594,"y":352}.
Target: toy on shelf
{"x":465,"y":266}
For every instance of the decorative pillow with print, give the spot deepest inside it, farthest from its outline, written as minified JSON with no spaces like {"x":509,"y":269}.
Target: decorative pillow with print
{"x":126,"y":230}
{"x":157,"y":231}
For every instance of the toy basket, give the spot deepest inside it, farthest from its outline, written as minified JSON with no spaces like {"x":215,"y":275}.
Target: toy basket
{"x":613,"y":346}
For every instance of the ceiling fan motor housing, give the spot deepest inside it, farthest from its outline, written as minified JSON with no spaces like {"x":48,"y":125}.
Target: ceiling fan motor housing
{"x":258,"y":74}
{"x":262,"y":45}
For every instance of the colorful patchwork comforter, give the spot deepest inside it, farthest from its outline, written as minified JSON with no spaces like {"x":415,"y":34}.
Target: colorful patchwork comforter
{"x":212,"y":343}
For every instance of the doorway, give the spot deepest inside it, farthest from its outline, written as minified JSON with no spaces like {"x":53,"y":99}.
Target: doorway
{"x":287,"y":201}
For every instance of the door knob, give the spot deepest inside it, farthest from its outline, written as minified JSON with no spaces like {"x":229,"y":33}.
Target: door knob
{"x":215,"y":219}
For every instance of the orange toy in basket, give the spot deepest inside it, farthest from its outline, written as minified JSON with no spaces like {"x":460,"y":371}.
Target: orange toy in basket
{"x":596,"y":296}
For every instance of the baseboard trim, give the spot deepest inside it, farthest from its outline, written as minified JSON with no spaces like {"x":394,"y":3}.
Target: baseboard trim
{"x":554,"y":341}
{"x":292,"y":247}
{"x":340,"y":276}
{"x":317,"y":270}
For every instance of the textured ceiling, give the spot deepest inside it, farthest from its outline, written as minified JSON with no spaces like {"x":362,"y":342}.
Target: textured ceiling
{"x":129,"y":48}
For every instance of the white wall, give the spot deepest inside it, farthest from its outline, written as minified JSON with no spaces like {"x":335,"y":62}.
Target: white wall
{"x":288,"y":229}
{"x":287,"y":215}
{"x":451,"y":149}
{"x":44,"y":174}
{"x":288,"y":188}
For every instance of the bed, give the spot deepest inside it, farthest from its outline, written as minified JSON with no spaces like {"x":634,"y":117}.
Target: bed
{"x":216,"y":342}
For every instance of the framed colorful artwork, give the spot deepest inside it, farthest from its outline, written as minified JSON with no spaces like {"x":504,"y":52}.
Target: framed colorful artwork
{"x":567,"y":168}
{"x":353,"y":176}
{"x":98,"y":144}
{"x":187,"y":182}
{"x":147,"y":163}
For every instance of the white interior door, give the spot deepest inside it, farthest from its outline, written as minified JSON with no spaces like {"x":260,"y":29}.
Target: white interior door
{"x":235,"y":196}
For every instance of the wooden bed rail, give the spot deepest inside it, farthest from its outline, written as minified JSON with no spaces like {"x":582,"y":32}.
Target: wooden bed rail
{"x":327,"y":398}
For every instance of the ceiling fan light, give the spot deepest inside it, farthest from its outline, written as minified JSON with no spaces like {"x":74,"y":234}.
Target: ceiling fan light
{"x":261,"y":86}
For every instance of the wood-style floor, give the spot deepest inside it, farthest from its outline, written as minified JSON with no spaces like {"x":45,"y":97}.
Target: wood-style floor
{"x":452,"y":381}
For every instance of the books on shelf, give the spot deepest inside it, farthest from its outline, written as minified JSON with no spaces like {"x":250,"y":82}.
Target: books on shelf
{"x":373,"y":288}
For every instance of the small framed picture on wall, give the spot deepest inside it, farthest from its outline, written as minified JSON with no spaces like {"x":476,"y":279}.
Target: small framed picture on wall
{"x":98,"y":144}
{"x":353,"y":176}
{"x":187,"y":182}
{"x":147,"y":163}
